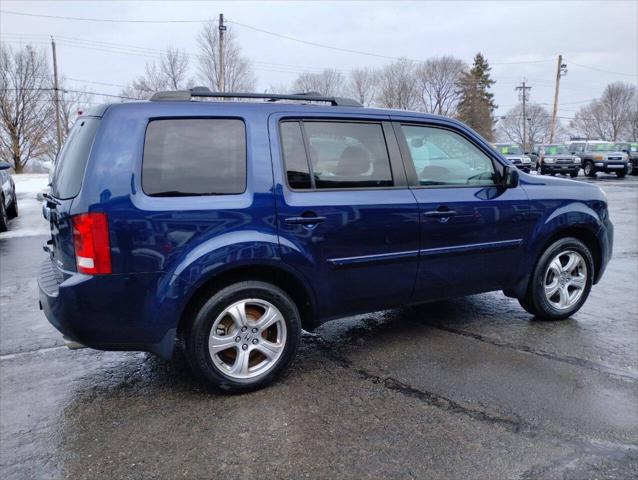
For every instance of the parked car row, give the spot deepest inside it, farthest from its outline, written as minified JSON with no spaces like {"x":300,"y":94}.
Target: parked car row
{"x":592,"y":156}
{"x":8,"y":199}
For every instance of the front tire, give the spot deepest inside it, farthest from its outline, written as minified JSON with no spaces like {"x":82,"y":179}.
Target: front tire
{"x":244,"y":337}
{"x":589,"y":170}
{"x":573,"y":174}
{"x":622,"y":173}
{"x":561,"y":280}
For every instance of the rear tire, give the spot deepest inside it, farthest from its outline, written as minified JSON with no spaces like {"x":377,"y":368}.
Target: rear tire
{"x":561,"y":280}
{"x":4,"y":218}
{"x":244,"y":337}
{"x":12,"y":211}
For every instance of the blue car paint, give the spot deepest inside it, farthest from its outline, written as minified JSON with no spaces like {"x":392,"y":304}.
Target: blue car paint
{"x":374,"y":250}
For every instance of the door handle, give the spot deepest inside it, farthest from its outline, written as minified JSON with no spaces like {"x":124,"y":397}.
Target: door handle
{"x":304,"y":220}
{"x":440,"y":213}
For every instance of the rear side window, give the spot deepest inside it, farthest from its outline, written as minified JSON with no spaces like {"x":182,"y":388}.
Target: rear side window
{"x":71,"y":163}
{"x":184,"y":157}
{"x":321,"y":154}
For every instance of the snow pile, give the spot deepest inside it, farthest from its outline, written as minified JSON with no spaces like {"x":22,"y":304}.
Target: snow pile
{"x":30,"y":221}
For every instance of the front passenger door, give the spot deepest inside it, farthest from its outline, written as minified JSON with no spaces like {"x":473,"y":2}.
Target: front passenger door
{"x":472,"y":229}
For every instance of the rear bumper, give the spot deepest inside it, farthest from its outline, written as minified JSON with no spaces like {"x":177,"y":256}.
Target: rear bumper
{"x":110,"y":312}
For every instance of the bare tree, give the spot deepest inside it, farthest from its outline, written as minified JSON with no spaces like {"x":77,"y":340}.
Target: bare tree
{"x":632,"y":129}
{"x":362,"y":85}
{"x":539,"y":123}
{"x":25,"y":109}
{"x":72,"y":103}
{"x":170,"y":72}
{"x":329,"y":82}
{"x":398,"y":86}
{"x":437,"y":79}
{"x":609,"y":117}
{"x":238,"y":74}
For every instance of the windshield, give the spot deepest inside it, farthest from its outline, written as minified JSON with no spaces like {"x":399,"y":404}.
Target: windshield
{"x":555,"y":149}
{"x":600,"y":147}
{"x":509,"y":149}
{"x":632,"y":147}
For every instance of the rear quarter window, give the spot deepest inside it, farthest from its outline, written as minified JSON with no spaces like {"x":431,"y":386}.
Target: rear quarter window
{"x":184,"y":157}
{"x":71,"y":163}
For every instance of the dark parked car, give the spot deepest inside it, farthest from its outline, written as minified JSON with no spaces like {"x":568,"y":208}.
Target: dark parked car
{"x":515,"y":155}
{"x":597,"y":156}
{"x":8,"y":198}
{"x":555,"y":158}
{"x":224,"y":228}
{"x":631,"y":149}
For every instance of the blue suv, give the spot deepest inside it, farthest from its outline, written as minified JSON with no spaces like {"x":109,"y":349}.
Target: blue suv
{"x":226,"y":227}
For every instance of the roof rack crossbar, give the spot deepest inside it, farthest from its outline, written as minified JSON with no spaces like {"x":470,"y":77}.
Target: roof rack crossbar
{"x":185,"y":95}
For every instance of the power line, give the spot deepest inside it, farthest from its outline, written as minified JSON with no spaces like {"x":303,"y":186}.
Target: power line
{"x":109,"y":47}
{"x":257,"y":29}
{"x":106,"y":20}
{"x":604,"y":71}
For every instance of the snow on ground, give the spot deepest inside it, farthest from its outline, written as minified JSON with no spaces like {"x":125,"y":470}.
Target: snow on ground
{"x":30,"y":221}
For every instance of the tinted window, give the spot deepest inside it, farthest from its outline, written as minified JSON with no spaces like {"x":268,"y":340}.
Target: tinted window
{"x":71,"y":162}
{"x":194,"y":157}
{"x":348,"y":155}
{"x":297,"y":168}
{"x":443,"y":157}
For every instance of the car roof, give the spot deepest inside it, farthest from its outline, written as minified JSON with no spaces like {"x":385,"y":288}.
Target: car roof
{"x":273,"y":107}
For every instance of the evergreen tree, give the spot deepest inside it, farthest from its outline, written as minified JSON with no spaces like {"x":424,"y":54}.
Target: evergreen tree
{"x":476,"y":104}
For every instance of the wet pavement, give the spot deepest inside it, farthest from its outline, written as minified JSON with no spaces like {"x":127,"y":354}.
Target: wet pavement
{"x":470,"y":388}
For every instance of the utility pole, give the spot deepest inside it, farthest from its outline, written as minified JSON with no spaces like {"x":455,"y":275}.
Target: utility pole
{"x":561,"y":70}
{"x":55,"y":97}
{"x":222,"y":29}
{"x":523,"y":95}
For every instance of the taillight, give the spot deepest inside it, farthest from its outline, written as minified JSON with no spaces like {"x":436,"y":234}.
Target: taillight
{"x":91,"y":241}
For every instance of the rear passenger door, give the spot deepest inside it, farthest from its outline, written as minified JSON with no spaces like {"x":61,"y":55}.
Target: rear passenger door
{"x":346,"y":217}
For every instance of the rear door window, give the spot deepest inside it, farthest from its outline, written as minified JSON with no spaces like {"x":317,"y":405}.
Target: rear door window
{"x":324,"y":154}
{"x":71,"y":163}
{"x":185,"y":157}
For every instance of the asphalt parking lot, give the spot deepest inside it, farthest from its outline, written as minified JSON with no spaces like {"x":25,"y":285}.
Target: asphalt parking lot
{"x":470,"y":388}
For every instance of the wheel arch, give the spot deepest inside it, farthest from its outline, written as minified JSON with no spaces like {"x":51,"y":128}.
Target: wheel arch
{"x":290,"y":283}
{"x":583,"y":234}
{"x":579,"y":232}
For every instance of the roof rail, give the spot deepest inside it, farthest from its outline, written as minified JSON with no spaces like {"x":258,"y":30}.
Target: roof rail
{"x":186,"y":95}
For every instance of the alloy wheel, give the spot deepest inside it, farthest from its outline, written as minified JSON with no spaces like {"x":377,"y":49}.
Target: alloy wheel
{"x":247,"y":338}
{"x":565,"y":279}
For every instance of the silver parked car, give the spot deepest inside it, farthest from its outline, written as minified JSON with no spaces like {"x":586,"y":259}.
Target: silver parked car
{"x":598,"y":156}
{"x":515,"y":155}
{"x":8,"y":199}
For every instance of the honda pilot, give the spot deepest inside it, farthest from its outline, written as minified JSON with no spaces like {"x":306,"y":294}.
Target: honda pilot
{"x":225,"y":227}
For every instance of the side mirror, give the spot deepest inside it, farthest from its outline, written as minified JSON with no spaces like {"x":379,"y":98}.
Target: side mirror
{"x":4,"y":166}
{"x":510,"y":177}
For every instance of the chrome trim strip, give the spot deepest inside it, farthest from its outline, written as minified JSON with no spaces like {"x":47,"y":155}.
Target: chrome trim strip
{"x":377,"y":258}
{"x":471,"y":248}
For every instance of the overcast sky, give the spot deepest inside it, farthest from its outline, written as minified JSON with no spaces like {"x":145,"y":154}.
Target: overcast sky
{"x":521,"y":40}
